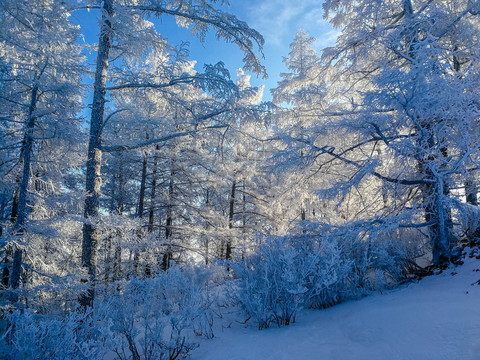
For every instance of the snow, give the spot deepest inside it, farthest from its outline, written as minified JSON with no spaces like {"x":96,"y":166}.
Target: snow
{"x":436,"y":318}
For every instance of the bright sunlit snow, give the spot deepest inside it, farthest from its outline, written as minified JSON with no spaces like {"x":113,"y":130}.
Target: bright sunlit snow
{"x":436,"y":318}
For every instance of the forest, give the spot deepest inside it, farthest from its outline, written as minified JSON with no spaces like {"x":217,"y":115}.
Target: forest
{"x":141,"y":195}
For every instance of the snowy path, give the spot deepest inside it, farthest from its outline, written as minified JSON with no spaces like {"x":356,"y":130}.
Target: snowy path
{"x":437,"y":318}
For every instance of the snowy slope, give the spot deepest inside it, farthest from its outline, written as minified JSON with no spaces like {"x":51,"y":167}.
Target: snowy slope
{"x":437,"y":318}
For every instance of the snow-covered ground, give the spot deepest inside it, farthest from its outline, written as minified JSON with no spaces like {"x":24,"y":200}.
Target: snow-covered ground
{"x":437,"y":318}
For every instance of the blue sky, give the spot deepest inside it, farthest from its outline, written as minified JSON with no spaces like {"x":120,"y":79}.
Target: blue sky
{"x":276,"y":20}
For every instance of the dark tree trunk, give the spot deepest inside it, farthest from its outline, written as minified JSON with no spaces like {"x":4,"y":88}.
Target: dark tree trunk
{"x":136,"y":263}
{"x":94,"y":158}
{"x":13,"y":216}
{"x":303,"y":215}
{"x":228,"y":252}
{"x":8,"y":252}
{"x":121,"y":186}
{"x":108,"y":262}
{"x":438,"y":215}
{"x":143,"y":182}
{"x":167,"y":255}
{"x":151,"y":212}
{"x":117,"y":258}
{"x":471,"y":192}
{"x":140,"y":212}
{"x":207,"y":226}
{"x":21,"y":217}
{"x":6,"y":270}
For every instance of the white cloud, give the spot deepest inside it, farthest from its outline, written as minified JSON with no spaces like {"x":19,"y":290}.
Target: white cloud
{"x":327,"y":38}
{"x":278,"y":20}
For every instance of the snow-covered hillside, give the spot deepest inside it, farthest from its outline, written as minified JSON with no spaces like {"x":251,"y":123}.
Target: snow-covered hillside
{"x":436,"y":318}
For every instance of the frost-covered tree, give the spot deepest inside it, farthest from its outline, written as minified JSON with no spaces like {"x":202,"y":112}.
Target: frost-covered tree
{"x":298,"y":98}
{"x":40,"y":96}
{"x":240,"y":173}
{"x":293,"y":88}
{"x":127,"y":36}
{"x":408,"y":113}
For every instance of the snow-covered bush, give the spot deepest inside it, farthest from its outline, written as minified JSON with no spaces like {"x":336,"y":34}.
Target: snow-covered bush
{"x":157,"y":318}
{"x":330,"y":280}
{"x":388,"y":258}
{"x":80,"y":335}
{"x":317,"y":270}
{"x":271,"y":282}
{"x":351,"y":263}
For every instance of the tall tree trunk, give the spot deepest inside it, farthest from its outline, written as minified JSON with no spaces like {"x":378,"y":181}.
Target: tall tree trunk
{"x":439,"y":231}
{"x":143,"y":182}
{"x":121,"y":186}
{"x":117,"y":265}
{"x":117,"y":258}
{"x":207,"y":226}
{"x":436,"y":211}
{"x":433,"y":194}
{"x":93,"y":180}
{"x":13,"y":218}
{"x":14,"y":213}
{"x":3,"y":205}
{"x":136,"y":262}
{"x":140,"y":211}
{"x":151,"y":211}
{"x":116,"y":207}
{"x":108,"y":240}
{"x":16,"y":271}
{"x":471,"y":192}
{"x":108,"y":262}
{"x":8,"y":250}
{"x":167,"y":255}
{"x":228,"y":252}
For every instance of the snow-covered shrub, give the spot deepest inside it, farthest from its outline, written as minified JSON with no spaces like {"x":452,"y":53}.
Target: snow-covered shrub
{"x":304,"y":269}
{"x":79,"y":335}
{"x":351,"y":263}
{"x":331,"y":279}
{"x":158,"y":318}
{"x":314,"y":270}
{"x":388,"y":258}
{"x":317,"y":268}
{"x":270,"y":283}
